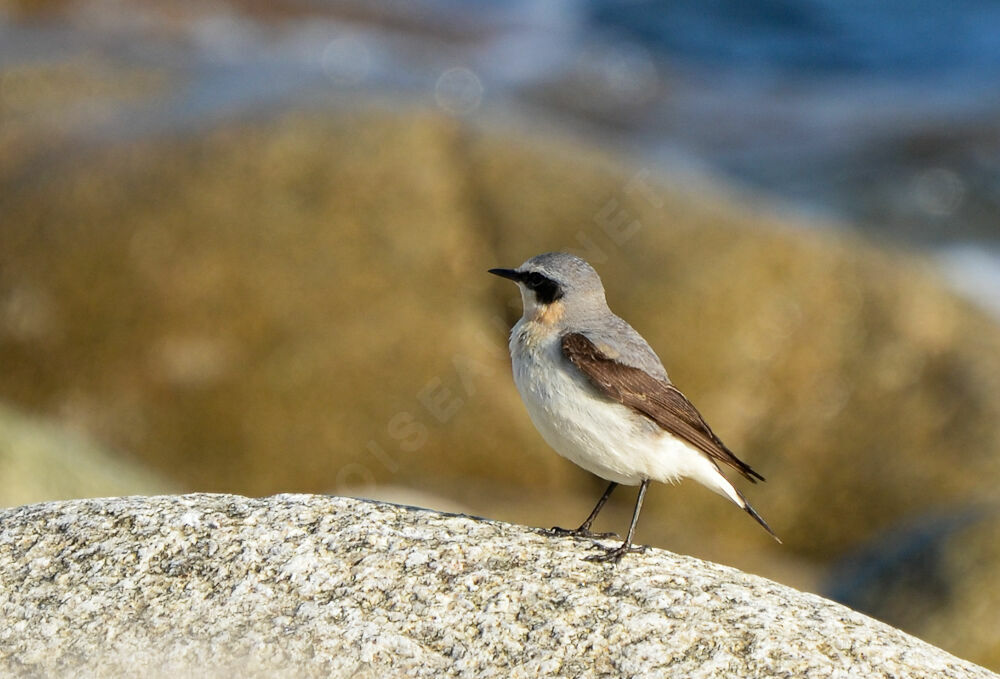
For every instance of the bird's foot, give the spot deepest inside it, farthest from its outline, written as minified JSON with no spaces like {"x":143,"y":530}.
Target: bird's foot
{"x":615,"y":554}
{"x":580,"y":532}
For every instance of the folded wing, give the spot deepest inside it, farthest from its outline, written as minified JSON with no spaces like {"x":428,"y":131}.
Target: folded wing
{"x":655,"y":398}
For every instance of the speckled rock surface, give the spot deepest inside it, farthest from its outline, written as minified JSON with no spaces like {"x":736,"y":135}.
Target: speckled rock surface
{"x":297,"y":585}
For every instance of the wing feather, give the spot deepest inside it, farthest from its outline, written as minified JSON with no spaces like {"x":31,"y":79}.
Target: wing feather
{"x":657,"y":399}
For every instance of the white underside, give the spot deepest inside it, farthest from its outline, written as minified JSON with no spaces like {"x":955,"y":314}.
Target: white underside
{"x":602,"y":436}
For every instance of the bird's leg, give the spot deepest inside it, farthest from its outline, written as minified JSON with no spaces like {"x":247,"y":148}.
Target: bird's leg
{"x":614,"y":555}
{"x":584,"y":530}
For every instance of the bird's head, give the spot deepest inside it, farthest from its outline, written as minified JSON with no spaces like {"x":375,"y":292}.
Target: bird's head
{"x":554,"y":284}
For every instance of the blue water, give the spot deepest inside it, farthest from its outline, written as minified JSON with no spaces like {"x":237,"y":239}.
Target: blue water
{"x":812,"y":38}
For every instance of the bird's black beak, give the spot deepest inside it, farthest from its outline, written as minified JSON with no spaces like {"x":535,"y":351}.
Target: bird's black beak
{"x":507,"y":273}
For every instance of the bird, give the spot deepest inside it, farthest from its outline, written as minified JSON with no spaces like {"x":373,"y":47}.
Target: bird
{"x":599,"y":395}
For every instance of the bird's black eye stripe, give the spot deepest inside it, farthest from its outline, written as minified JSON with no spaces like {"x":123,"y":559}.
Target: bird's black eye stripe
{"x":546,"y":289}
{"x":535,"y":280}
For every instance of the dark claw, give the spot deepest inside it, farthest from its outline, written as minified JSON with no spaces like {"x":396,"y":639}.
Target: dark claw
{"x":581,"y":533}
{"x":615,"y":554}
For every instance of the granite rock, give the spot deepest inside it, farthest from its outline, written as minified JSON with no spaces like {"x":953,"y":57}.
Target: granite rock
{"x":300,"y":585}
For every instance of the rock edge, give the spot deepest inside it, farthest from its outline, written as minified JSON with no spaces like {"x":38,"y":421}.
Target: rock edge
{"x":315,"y":586}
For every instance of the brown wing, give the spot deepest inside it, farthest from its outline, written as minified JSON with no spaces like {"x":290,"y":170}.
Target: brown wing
{"x":658,"y":400}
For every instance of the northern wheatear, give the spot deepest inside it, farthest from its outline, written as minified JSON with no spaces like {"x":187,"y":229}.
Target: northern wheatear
{"x":600,"y":396}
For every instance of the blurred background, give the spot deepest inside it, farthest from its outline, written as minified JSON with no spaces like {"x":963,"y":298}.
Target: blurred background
{"x":243,"y":248}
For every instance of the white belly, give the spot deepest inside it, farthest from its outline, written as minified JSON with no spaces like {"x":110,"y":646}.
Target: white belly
{"x":602,"y":436}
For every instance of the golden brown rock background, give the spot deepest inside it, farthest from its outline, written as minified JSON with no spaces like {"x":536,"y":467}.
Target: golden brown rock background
{"x":299,"y":302}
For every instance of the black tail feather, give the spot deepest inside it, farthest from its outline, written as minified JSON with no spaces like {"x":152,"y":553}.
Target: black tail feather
{"x":758,"y":518}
